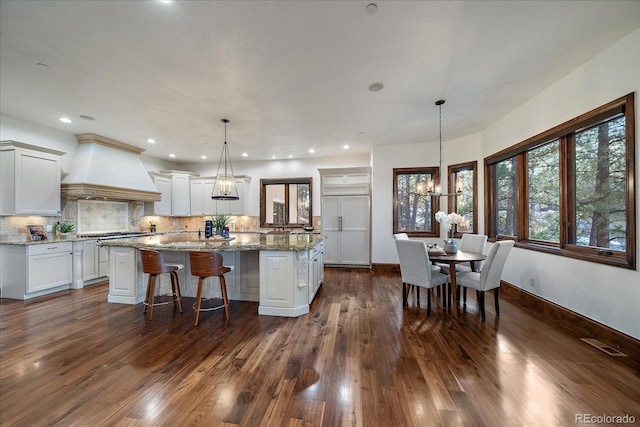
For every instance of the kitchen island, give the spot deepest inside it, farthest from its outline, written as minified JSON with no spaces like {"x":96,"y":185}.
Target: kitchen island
{"x":281,"y":272}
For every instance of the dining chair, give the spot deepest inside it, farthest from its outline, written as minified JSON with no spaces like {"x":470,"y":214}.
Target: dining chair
{"x":434,"y":267}
{"x":416,"y":269}
{"x":153,"y":264}
{"x":204,"y":265}
{"x":470,"y":243}
{"x":489,"y":277}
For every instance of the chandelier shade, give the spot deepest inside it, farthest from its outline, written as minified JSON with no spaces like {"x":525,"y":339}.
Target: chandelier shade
{"x":225,"y":187}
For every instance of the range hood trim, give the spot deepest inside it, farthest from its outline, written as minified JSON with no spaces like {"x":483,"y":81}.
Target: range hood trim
{"x":74,"y":191}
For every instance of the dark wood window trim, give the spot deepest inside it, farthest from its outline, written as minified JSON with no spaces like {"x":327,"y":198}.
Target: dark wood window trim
{"x":452,"y":172}
{"x":565,"y":134}
{"x":286,"y":182}
{"x":435,"y":173}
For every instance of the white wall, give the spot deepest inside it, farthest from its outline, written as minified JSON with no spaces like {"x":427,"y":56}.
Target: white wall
{"x":609,"y":295}
{"x":606,"y":294}
{"x":280,"y":169}
{"x":388,"y":157}
{"x":15,"y":129}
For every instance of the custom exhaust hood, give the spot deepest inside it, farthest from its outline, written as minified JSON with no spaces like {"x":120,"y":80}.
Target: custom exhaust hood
{"x":106,"y":169}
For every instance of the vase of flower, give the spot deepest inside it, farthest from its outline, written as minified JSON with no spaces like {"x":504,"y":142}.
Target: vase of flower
{"x":450,"y":245}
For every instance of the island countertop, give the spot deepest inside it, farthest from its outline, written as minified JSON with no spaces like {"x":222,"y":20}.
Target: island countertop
{"x":189,"y":241}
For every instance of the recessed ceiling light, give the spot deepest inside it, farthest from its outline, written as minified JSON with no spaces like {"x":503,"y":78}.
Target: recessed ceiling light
{"x":166,"y":1}
{"x":65,"y":120}
{"x":273,"y":157}
{"x":371,"y":8}
{"x":172,"y":155}
{"x":245,"y":155}
{"x":311,"y":150}
{"x":84,"y":116}
{"x":151,"y":141}
{"x":376,"y":87}
{"x":203,"y":157}
{"x":290,"y":156}
{"x":345,"y":147}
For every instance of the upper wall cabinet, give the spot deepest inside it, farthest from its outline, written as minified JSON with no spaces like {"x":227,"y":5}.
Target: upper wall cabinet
{"x":176,"y":189}
{"x":202,"y":204}
{"x":29,"y":179}
{"x":337,"y":181}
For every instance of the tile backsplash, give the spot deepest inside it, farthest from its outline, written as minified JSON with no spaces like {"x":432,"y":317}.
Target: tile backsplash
{"x":103,"y":216}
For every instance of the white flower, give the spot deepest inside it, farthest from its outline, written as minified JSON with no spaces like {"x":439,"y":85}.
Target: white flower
{"x":447,"y":220}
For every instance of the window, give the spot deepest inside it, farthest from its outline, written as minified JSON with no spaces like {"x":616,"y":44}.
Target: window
{"x":414,"y":213}
{"x":286,"y":202}
{"x":464,"y":177}
{"x":570,"y":190}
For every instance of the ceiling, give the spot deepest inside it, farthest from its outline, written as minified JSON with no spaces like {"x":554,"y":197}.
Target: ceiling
{"x":290,"y":75}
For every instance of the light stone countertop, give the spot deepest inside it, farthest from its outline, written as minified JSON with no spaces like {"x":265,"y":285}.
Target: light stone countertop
{"x":184,"y":242}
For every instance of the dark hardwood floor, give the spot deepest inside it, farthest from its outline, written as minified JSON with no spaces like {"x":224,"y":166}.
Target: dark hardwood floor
{"x":357,"y":359}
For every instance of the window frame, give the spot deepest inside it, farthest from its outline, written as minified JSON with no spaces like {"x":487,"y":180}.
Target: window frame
{"x":565,"y":133}
{"x":286,"y":182}
{"x":452,"y":171}
{"x":434,"y":171}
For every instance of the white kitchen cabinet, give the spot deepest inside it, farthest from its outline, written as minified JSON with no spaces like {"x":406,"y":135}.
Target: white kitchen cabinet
{"x":235,"y":207}
{"x":29,"y":179}
{"x":126,"y":283}
{"x":95,"y":262}
{"x":201,"y":202}
{"x":175,"y":187}
{"x":345,"y":222}
{"x":316,"y":270}
{"x":28,"y":271}
{"x":346,"y":216}
{"x":89,"y":260}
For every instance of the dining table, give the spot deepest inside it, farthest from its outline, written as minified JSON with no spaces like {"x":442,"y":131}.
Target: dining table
{"x":439,"y":256}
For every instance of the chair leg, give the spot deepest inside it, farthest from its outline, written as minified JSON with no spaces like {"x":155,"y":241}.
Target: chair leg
{"x":464,"y":294}
{"x":404,"y":295}
{"x":152,"y":292}
{"x":428,"y":303}
{"x":481,"y":303}
{"x":495,"y":297}
{"x":449,"y":295}
{"x":444,"y":294}
{"x":418,"y":296}
{"x":176,"y":290}
{"x":225,"y":300}
{"x":198,"y":299}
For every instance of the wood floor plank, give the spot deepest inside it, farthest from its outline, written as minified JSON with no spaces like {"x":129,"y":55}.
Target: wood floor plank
{"x":358,"y":358}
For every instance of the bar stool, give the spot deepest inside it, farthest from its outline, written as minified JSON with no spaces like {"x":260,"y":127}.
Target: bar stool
{"x":204,"y":265}
{"x":153,"y":264}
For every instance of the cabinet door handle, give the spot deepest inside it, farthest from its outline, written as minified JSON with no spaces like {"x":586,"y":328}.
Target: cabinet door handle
{"x":52,"y":247}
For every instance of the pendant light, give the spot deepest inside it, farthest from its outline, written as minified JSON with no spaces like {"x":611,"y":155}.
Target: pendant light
{"x":225,"y":187}
{"x":434,"y":189}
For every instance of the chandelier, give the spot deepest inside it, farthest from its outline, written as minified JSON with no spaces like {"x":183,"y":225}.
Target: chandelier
{"x":432,"y":189}
{"x":225,"y":187}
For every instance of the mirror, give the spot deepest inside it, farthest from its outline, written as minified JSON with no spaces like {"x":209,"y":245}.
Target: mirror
{"x":286,"y":202}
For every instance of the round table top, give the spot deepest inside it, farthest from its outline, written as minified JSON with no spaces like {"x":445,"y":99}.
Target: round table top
{"x":460,"y":256}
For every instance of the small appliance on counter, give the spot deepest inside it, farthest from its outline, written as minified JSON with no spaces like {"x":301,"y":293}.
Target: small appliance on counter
{"x":208,"y":228}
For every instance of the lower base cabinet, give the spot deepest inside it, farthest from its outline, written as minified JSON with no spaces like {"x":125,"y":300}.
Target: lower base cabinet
{"x":284,"y":282}
{"x":29,"y":271}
